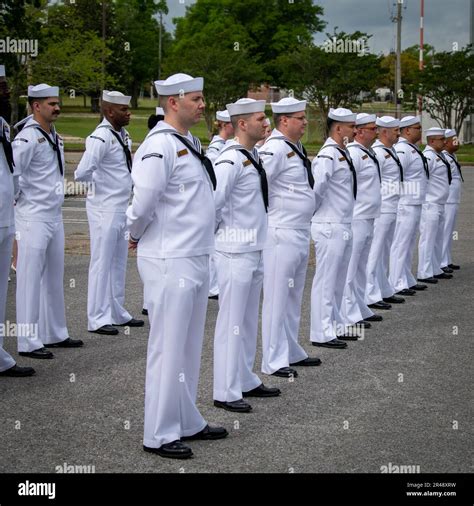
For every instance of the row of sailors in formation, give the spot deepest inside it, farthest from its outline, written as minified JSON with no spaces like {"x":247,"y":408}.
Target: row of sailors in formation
{"x":232,"y":222}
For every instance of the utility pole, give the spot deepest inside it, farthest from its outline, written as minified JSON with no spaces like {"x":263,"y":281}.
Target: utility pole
{"x":398,"y":71}
{"x":159,"y":45}
{"x":421,"y":63}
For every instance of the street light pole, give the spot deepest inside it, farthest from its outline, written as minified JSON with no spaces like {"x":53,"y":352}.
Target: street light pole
{"x":398,"y":72}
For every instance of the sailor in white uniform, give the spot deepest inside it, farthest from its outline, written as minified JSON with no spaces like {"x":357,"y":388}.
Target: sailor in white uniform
{"x":379,"y":293}
{"x":285,"y":257}
{"x":106,"y":165}
{"x":430,"y":246}
{"x":38,"y":152}
{"x":335,"y":187}
{"x":454,"y":199}
{"x":415,"y":180}
{"x":241,"y":225}
{"x":171,"y":220}
{"x":366,"y":210}
{"x":225,"y":132}
{"x":8,"y":183}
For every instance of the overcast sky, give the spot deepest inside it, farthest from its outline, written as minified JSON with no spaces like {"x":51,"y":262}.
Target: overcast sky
{"x":446,"y":21}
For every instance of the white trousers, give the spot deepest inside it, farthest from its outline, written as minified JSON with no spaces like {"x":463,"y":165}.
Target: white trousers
{"x":450,"y":215}
{"x":354,"y":307}
{"x":403,"y":246}
{"x":6,"y":243}
{"x":213,"y":285}
{"x":40,"y":311}
{"x":333,"y":244}
{"x":177,"y":291}
{"x":285,"y":260}
{"x":240,"y":278}
{"x":107,"y":269}
{"x":431,"y":240}
{"x":378,"y":284}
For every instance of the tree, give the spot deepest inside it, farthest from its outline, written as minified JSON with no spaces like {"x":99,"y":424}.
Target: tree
{"x":331,"y":79}
{"x":446,"y":87}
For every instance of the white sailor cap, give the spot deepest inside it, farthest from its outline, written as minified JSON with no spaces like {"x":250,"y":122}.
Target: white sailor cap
{"x":43,"y":91}
{"x":2,"y":71}
{"x":223,"y":116}
{"x":288,"y":105}
{"x":450,"y":132}
{"x":363,"y":118}
{"x":178,"y":84}
{"x":409,"y":121}
{"x":159,"y":111}
{"x":246,"y":106}
{"x":431,"y":132}
{"x":387,"y":122}
{"x":115,"y":97}
{"x":343,"y":115}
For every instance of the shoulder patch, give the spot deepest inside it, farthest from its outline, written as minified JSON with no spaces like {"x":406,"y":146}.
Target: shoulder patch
{"x":41,"y":139}
{"x":402,"y":152}
{"x":365,"y":157}
{"x":98,"y":138}
{"x":182,"y":152}
{"x":413,"y":151}
{"x":246,"y":163}
{"x":290,"y":154}
{"x":150,"y":155}
{"x":387,"y":156}
{"x":325,"y":156}
{"x":341,"y":158}
{"x":224,"y":161}
{"x":265,"y":153}
{"x":21,"y":139}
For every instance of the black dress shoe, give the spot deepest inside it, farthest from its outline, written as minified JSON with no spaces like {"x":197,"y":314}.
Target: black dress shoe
{"x":443,"y":276}
{"x":207,"y":433}
{"x":67,"y":343}
{"x":239,"y":406}
{"x":349,"y":337}
{"x":407,"y":291}
{"x":286,"y":372}
{"x":373,"y":318}
{"x":380,"y":305}
{"x":447,"y":270}
{"x":213,"y":297}
{"x":418,"y":287}
{"x":107,"y":330}
{"x":145,"y":312}
{"x":262,"y":391}
{"x":173,"y":450}
{"x":131,"y":323}
{"x":17,"y":371}
{"x":432,"y":281}
{"x":39,"y":353}
{"x":334,"y":343}
{"x":362,"y":324}
{"x":394,"y":299}
{"x":454,"y":267}
{"x":308,"y":362}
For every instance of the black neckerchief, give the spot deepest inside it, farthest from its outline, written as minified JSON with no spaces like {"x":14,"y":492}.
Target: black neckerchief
{"x":348,"y":159}
{"x":423,"y":159}
{"x":396,"y":159}
{"x":7,"y":148}
{"x":372,"y":156}
{"x":304,"y":157}
{"x":126,"y":150}
{"x":54,"y":145}
{"x":448,"y":167}
{"x":458,"y":166}
{"x":195,"y":150}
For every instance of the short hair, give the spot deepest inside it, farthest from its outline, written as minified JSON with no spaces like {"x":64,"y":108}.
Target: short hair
{"x":153,"y":120}
{"x":235,"y":119}
{"x":330,"y":123}
{"x":163,"y":101}
{"x":277,"y":118}
{"x":31,"y":100}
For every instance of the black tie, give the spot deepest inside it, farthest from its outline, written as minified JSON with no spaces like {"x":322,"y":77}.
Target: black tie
{"x":306,"y":161}
{"x":7,"y":148}
{"x":261,"y":173}
{"x":423,"y":159}
{"x":352,"y":168}
{"x":397,"y":161}
{"x":199,"y":154}
{"x":448,"y":166}
{"x":373,"y":157}
{"x":457,"y":165}
{"x":55,"y":146}
{"x":128,"y":155}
